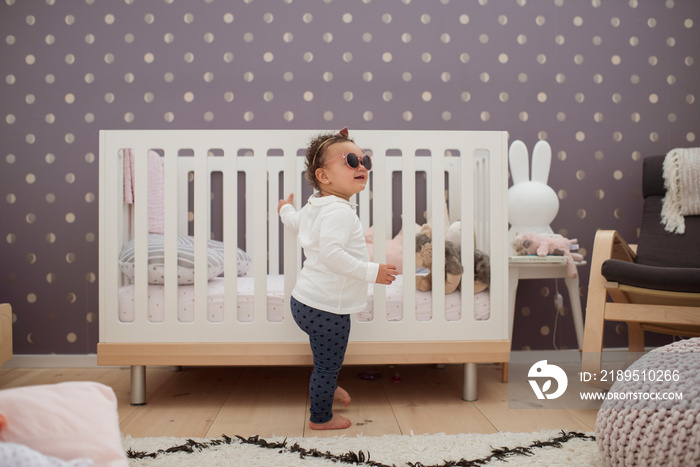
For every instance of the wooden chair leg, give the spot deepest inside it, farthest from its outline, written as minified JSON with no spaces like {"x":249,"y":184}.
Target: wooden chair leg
{"x":595,"y":306}
{"x":504,"y":372}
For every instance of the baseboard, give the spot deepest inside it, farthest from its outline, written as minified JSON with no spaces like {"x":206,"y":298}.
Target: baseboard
{"x":52,"y":361}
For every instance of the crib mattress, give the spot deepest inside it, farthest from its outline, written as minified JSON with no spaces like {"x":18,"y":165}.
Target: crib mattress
{"x":275,"y":302}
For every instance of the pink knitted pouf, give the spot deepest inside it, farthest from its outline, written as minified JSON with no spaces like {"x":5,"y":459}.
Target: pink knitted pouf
{"x":639,"y":431}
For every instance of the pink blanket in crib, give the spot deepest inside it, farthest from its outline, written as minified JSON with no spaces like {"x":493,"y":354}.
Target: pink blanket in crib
{"x":156,"y":200}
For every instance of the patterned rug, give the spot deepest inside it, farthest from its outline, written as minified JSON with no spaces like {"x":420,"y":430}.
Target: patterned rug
{"x":550,"y":447}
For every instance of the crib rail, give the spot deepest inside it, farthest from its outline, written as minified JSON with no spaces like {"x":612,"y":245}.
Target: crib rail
{"x":475,"y":164}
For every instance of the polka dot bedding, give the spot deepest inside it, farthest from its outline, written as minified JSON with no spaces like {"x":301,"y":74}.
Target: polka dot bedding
{"x":275,"y":302}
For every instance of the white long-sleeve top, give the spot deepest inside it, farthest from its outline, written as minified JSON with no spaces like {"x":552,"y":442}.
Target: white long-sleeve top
{"x":337,"y":269}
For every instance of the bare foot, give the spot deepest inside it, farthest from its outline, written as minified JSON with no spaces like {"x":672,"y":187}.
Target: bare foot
{"x":342,"y":395}
{"x":338,"y":422}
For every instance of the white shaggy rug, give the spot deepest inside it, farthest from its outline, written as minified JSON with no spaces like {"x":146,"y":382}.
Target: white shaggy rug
{"x":549,"y":447}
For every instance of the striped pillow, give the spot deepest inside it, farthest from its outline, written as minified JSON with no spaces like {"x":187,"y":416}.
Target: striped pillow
{"x":185,"y":259}
{"x":243,"y":262}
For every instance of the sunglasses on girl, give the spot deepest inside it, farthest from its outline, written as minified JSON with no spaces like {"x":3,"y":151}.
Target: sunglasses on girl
{"x":353,"y":161}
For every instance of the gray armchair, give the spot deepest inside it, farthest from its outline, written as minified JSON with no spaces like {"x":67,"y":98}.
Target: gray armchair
{"x":652,"y":286}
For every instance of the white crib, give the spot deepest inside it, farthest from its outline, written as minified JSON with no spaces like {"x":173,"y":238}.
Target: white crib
{"x":468,"y":169}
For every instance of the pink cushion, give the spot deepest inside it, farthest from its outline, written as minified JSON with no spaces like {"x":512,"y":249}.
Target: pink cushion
{"x":394,"y":249}
{"x":66,"y":420}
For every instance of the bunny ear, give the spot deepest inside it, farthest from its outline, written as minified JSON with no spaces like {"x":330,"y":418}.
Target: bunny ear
{"x":519,"y":165}
{"x":541,"y":160}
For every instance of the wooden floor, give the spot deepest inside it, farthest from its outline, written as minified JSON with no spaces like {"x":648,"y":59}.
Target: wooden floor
{"x":266,"y":401}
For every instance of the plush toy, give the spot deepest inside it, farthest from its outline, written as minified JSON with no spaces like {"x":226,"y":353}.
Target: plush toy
{"x":424,"y":259}
{"x":482,"y":271}
{"x":532,"y":243}
{"x":482,"y":266}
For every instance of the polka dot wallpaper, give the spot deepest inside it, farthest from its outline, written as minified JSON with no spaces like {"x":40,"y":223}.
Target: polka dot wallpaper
{"x":606,"y":82}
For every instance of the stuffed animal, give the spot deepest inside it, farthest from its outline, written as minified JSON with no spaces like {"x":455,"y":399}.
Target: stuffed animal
{"x":482,"y":266}
{"x":532,"y":243}
{"x":482,"y":271}
{"x":424,"y":259}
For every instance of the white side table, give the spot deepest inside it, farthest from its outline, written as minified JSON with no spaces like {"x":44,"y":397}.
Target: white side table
{"x":522,"y":269}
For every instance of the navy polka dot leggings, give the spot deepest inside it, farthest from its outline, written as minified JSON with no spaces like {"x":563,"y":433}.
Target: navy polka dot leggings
{"x":328,"y":336}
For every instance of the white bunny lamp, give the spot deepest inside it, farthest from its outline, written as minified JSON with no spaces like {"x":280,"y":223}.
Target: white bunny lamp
{"x":532,"y":204}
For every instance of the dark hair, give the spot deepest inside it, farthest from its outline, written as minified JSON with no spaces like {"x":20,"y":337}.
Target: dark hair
{"x":315,"y":151}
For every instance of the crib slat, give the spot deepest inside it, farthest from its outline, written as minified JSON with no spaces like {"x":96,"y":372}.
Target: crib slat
{"x":230,"y":234}
{"x":469,"y":191}
{"x":409,"y":241}
{"x":202,"y":200}
{"x":437,"y":156}
{"x":258,"y":191}
{"x":291,"y":174}
{"x":381,"y":223}
{"x":273,"y":196}
{"x":170,"y":174}
{"x":141,"y":230}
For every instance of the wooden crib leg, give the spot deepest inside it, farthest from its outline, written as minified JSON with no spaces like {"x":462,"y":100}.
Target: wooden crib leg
{"x":469,"y":391}
{"x":138,"y":385}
